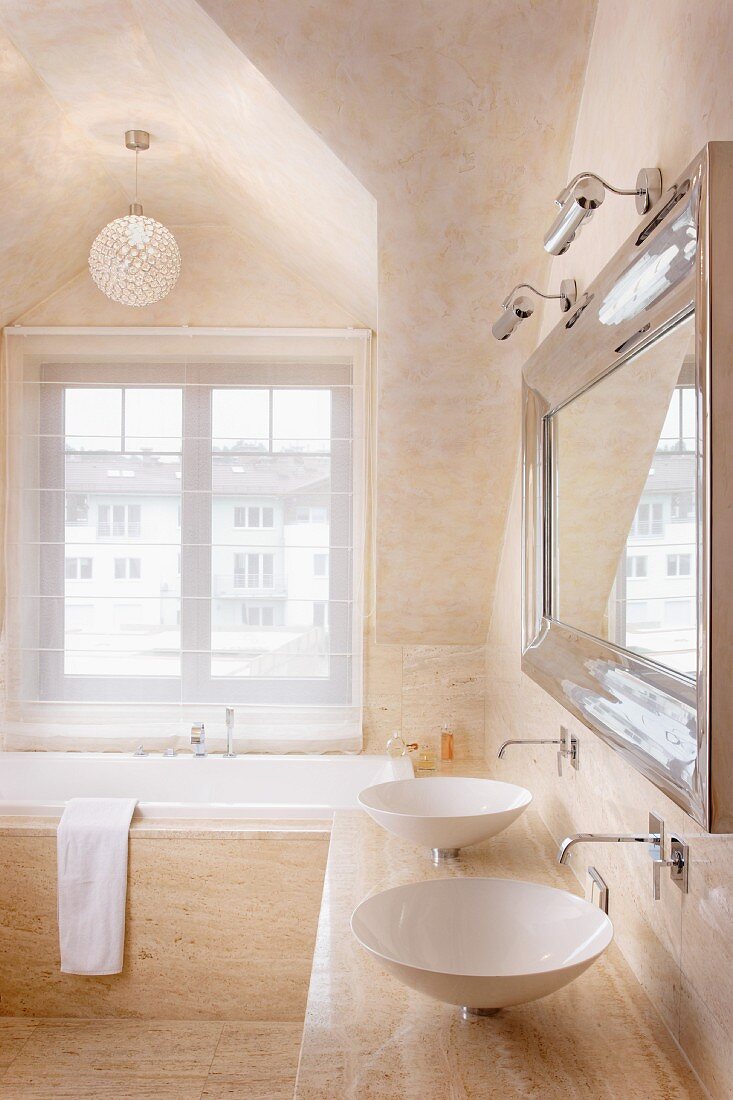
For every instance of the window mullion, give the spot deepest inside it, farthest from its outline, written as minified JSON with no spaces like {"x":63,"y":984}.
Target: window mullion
{"x":196,"y":544}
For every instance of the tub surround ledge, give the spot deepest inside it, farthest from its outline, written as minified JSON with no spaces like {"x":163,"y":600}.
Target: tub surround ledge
{"x":170,"y":829}
{"x":367,"y":1035}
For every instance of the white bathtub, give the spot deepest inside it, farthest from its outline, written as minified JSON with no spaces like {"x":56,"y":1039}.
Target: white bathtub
{"x":248,"y":787}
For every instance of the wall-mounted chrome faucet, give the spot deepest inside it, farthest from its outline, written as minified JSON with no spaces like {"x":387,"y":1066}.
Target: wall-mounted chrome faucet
{"x":568,"y":742}
{"x":563,"y":852}
{"x":230,"y":753}
{"x":198,"y":739}
{"x":677,"y":863}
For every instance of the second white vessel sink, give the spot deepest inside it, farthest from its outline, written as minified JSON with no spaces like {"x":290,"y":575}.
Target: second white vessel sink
{"x":445,"y":813}
{"x":482,"y":943}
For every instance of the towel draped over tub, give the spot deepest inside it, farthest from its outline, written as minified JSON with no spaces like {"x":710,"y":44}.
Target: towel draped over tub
{"x":91,"y":846}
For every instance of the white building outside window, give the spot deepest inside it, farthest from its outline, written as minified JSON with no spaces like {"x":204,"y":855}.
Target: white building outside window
{"x":227,"y":478}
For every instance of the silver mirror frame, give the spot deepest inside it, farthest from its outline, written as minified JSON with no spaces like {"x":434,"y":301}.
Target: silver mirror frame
{"x":676,"y":731}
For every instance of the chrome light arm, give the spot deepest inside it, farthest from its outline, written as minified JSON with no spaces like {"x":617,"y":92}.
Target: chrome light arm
{"x":567,"y":296}
{"x":648,"y":187}
{"x":599,"y":179}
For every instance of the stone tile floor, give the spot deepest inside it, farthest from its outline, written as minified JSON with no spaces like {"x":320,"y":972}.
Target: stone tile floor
{"x":115,"y":1059}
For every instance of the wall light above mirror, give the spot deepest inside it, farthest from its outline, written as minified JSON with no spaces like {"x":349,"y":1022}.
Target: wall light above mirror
{"x":580,"y":198}
{"x":518,"y":307}
{"x":628,"y":498}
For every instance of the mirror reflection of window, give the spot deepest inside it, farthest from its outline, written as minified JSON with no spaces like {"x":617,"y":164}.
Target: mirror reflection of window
{"x":625,"y":508}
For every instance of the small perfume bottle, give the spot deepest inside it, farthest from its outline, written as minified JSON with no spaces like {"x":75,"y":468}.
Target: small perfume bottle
{"x":446,"y":743}
{"x":396,"y":744}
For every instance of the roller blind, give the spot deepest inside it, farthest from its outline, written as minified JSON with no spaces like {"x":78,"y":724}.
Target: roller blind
{"x":184,"y":532}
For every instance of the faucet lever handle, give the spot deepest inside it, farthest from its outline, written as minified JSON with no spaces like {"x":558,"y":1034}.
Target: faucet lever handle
{"x":677,"y":867}
{"x":657,"y":865}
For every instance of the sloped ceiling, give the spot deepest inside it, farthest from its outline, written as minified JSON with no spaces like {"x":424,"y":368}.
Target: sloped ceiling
{"x":293,"y":122}
{"x":227,"y":149}
{"x":55,"y":191}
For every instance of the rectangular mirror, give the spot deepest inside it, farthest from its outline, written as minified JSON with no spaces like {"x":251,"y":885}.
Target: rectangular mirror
{"x":624,"y":549}
{"x":628,"y":498}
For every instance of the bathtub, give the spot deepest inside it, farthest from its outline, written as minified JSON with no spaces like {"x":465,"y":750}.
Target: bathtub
{"x":250,"y":786}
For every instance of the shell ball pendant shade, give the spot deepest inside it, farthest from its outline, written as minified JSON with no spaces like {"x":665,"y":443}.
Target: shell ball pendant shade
{"x":135,"y":260}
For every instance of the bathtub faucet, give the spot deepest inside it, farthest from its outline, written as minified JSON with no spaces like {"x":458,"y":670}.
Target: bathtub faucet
{"x":230,"y":753}
{"x":198,"y":739}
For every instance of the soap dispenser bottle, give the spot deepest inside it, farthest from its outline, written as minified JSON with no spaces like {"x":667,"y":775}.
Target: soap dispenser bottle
{"x":446,"y":743}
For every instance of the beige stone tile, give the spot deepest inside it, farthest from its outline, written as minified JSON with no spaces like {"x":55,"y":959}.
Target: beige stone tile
{"x":113,"y":1058}
{"x":444,"y":671}
{"x":382,"y":670}
{"x":705,"y":1039}
{"x":367,"y":1035}
{"x":707,"y":961}
{"x":107,"y":1086}
{"x":445,"y":684}
{"x":14,"y":1034}
{"x":423,"y":719}
{"x":210,"y":931}
{"x":381,"y":717}
{"x":255,"y":1060}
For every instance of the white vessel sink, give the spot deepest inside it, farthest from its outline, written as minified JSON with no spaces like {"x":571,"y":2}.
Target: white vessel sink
{"x":445,"y":813}
{"x":482,"y":943}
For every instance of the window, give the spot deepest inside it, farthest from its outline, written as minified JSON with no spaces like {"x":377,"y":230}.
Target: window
{"x":683,"y":507}
{"x":319,"y":614}
{"x":78,"y":569}
{"x":175,"y":479}
{"x":258,"y":616}
{"x":315,"y":514}
{"x":649,"y":520}
{"x":253,"y":570}
{"x":679,"y":565}
{"x":679,"y":613}
{"x":253,"y":516}
{"x":128,"y":569}
{"x":678,"y":432}
{"x":636,"y":565}
{"x":642,"y":615}
{"x":118,"y":521}
{"x":77,"y":510}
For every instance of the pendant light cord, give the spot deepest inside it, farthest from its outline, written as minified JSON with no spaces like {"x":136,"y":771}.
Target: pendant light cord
{"x":137,"y":152}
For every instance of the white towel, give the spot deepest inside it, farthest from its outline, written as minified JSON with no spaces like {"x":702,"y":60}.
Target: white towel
{"x":91,"y":849}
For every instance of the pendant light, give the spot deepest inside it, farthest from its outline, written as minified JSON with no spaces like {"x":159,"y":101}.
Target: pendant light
{"x":135,"y":260}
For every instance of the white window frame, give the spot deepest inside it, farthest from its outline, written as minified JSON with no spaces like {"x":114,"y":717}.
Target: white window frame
{"x":196,"y":684}
{"x":260,"y":510}
{"x":632,"y":566}
{"x":126,"y":563}
{"x":78,"y":559}
{"x":651,"y":528}
{"x":673,"y":564}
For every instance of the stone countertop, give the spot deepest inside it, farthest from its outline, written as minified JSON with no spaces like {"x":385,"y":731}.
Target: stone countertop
{"x":368,"y":1036}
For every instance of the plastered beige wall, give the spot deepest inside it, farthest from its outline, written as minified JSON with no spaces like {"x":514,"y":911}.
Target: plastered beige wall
{"x":458,"y":118}
{"x":225,"y":280}
{"x":659,"y":85}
